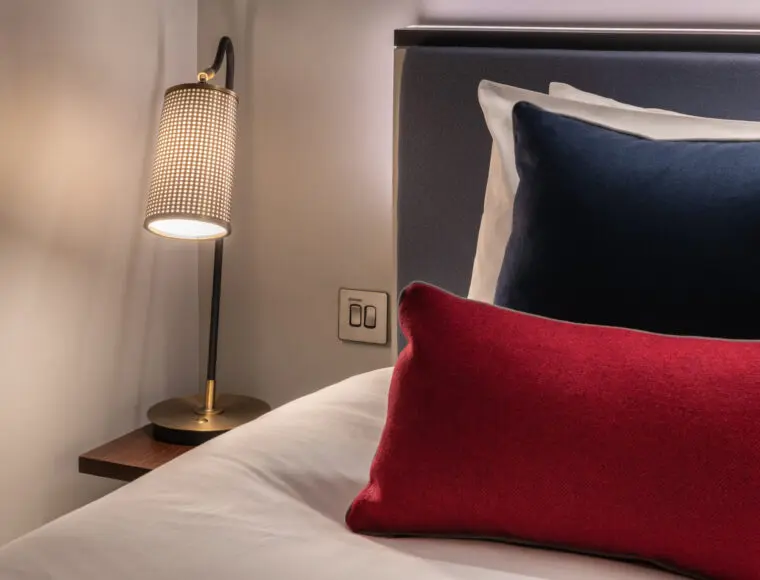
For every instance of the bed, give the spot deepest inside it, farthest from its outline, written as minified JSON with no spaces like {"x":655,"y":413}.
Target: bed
{"x":269,"y":499}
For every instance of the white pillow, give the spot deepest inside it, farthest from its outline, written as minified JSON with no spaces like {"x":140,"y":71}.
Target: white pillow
{"x":497,"y":102}
{"x":565,"y":91}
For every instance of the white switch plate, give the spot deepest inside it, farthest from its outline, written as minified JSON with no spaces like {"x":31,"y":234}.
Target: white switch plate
{"x":362,"y":299}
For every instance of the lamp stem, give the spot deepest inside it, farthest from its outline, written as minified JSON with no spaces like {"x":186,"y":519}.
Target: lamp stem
{"x":213,"y":335}
{"x":225,"y":49}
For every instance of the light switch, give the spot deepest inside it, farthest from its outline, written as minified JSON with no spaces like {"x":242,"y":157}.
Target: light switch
{"x":355,"y":315}
{"x":363,"y":316}
{"x":370,"y":317}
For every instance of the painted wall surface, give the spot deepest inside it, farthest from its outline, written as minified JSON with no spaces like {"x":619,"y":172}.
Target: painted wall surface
{"x":98,"y":319}
{"x":313,"y":205}
{"x":673,"y":12}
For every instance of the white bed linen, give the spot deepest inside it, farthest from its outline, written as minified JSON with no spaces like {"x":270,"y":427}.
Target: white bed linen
{"x":266,"y":502}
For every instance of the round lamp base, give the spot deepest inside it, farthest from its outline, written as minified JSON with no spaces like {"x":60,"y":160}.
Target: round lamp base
{"x":181,"y":421}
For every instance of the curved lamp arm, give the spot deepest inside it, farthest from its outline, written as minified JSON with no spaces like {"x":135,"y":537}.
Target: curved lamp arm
{"x":225,"y":49}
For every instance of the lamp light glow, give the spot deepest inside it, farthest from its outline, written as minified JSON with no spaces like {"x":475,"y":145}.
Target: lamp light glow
{"x":187,"y":229}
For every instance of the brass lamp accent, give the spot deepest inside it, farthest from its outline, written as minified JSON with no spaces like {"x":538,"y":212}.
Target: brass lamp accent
{"x":190,"y":198}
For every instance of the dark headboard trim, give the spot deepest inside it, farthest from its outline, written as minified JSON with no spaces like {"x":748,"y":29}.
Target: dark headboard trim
{"x":576,"y":38}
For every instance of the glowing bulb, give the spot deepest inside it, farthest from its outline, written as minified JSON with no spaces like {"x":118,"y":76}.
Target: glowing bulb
{"x":187,"y":229}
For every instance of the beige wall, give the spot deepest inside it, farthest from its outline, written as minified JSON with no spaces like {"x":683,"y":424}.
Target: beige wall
{"x":97,"y":319}
{"x":693,"y":12}
{"x":312,"y":210}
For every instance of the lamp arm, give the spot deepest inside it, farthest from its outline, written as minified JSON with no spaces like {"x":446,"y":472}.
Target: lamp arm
{"x":225,"y":48}
{"x":210,"y":407}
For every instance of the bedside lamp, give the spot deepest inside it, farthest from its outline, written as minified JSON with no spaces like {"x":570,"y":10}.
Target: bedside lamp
{"x":190,"y":198}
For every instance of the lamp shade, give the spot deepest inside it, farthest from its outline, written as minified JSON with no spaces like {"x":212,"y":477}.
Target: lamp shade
{"x":191,"y":185}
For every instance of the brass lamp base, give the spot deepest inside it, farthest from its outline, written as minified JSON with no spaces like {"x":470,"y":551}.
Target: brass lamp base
{"x":184,"y":421}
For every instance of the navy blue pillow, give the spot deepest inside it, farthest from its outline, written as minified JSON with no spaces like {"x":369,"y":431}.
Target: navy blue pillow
{"x":614,"y":229}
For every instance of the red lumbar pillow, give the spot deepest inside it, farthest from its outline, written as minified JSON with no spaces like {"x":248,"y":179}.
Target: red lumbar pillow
{"x":603,"y":440}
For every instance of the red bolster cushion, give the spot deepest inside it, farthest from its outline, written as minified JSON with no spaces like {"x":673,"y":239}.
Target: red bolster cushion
{"x":629,"y":444}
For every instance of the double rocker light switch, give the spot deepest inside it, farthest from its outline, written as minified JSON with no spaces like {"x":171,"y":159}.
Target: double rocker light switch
{"x":363,"y":316}
{"x":358,"y":316}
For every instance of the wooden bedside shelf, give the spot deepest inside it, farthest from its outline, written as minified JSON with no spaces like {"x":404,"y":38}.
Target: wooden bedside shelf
{"x":130,"y":456}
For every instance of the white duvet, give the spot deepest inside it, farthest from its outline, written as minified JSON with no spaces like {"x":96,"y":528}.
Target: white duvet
{"x":267,"y":501}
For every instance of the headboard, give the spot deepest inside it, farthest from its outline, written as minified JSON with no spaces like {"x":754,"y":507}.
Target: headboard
{"x":442,"y":144}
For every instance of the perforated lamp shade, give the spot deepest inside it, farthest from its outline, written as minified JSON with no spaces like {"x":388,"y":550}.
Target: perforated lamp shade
{"x":191,"y":185}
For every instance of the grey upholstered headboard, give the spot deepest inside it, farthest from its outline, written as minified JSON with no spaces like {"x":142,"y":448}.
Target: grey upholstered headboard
{"x":443,"y":146}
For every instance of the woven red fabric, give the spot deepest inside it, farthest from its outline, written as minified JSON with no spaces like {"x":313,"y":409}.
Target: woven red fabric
{"x":603,"y":440}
